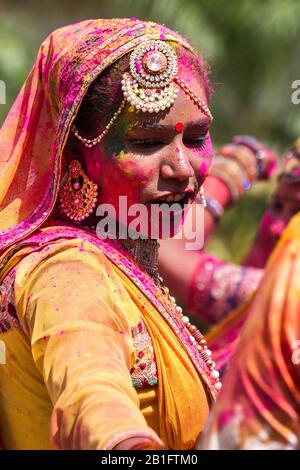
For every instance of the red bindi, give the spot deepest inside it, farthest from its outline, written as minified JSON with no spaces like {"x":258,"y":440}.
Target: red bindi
{"x":179,"y":127}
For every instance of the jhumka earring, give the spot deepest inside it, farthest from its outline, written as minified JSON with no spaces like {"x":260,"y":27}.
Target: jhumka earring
{"x":151,"y":85}
{"x":78,"y":196}
{"x":202,"y":198}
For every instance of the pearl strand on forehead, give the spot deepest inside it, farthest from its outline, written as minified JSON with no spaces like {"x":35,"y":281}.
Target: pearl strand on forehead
{"x":92,"y":142}
{"x":198,"y":102}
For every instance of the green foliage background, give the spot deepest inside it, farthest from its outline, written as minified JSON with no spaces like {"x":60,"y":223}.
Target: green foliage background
{"x":253,"y":47}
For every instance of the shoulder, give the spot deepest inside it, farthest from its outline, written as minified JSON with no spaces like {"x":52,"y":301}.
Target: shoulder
{"x":62,"y":249}
{"x":68,"y":276}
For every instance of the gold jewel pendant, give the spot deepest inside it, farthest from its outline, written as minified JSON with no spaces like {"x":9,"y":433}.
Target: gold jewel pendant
{"x":149,"y":86}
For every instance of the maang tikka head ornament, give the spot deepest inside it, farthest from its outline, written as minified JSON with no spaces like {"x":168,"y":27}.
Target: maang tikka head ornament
{"x":151,"y":85}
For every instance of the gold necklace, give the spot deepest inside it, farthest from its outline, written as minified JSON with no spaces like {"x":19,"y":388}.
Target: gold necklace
{"x":145,"y":253}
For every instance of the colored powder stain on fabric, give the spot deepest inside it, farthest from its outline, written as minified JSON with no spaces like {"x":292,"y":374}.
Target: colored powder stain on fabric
{"x":129,"y":171}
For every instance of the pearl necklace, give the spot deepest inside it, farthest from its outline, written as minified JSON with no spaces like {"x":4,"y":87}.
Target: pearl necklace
{"x":196,"y":337}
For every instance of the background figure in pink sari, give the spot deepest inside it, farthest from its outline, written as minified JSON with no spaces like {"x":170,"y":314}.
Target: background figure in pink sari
{"x":259,"y":405}
{"x":224,"y":337}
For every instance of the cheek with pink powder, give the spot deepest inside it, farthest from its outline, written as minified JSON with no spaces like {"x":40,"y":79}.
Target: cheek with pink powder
{"x":203,"y":172}
{"x":123,"y":178}
{"x":123,"y":173}
{"x":207,"y":158}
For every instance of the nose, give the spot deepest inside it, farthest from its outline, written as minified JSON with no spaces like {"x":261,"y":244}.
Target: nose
{"x":176,"y":165}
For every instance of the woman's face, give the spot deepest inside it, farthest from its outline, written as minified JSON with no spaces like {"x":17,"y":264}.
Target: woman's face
{"x":285,"y":204}
{"x":154,"y":158}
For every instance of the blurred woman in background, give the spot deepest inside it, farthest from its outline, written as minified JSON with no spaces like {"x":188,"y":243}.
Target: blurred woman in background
{"x":224,"y":337}
{"x":259,"y":406}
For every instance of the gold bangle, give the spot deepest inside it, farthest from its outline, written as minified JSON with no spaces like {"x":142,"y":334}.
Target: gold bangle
{"x":243,"y":156}
{"x":233,"y":169}
{"x":223,"y":176}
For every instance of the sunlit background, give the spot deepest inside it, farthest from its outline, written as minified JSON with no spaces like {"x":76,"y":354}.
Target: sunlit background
{"x":252,"y":46}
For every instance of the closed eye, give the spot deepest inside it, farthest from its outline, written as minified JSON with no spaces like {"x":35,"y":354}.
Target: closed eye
{"x":194,"y":142}
{"x":147,"y":143}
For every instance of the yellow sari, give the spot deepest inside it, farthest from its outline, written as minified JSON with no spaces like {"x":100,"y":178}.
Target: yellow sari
{"x":77,"y":342}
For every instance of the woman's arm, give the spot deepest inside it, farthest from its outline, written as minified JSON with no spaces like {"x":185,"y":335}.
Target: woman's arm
{"x":173,"y":254}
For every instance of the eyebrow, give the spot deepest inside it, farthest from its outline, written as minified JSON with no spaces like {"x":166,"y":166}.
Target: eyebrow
{"x":147,"y":126}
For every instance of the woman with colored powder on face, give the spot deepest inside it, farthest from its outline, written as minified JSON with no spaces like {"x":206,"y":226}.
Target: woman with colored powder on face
{"x":284,"y":205}
{"x":98,"y":355}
